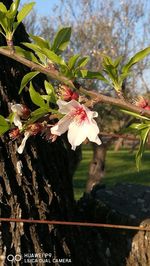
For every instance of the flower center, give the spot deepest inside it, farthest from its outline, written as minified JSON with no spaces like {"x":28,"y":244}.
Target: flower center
{"x":80,"y":114}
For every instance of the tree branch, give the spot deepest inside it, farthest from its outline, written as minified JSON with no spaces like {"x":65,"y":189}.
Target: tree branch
{"x":98,"y":97}
{"x":54,"y":74}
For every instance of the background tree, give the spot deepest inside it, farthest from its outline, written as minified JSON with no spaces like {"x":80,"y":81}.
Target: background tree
{"x":100,"y":28}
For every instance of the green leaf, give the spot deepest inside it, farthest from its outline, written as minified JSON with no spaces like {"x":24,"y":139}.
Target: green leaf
{"x":134,"y":114}
{"x":15,"y":25}
{"x":36,"y":97}
{"x":40,"y":112}
{"x":24,"y":11}
{"x":143,"y":138}
{"x":32,"y":120}
{"x":42,"y":58}
{"x":4,"y":125}
{"x":3,"y":22}
{"x":48,"y":87}
{"x":27,"y":78}
{"x":122,"y":77}
{"x":3,"y":8}
{"x":107,"y":61}
{"x":27,"y":54}
{"x":82,"y":62}
{"x":50,"y":91}
{"x":13,"y":9}
{"x":136,"y":58}
{"x":46,"y":52}
{"x":53,"y":57}
{"x":117,"y":61}
{"x":11,"y":118}
{"x":61,"y":39}
{"x":111,"y":72}
{"x":46,"y":98}
{"x":138,"y":126}
{"x":39,"y":52}
{"x":72,"y":61}
{"x":91,"y":75}
{"x":33,"y":47}
{"x":41,"y":42}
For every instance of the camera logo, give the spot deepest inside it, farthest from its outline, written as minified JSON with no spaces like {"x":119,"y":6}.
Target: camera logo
{"x":13,"y":258}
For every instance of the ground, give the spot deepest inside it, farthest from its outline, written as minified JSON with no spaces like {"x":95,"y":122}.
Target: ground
{"x":120,"y":167}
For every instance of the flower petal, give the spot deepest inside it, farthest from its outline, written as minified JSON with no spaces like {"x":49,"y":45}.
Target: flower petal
{"x":77,"y":133}
{"x":62,"y":126}
{"x":23,"y":143}
{"x":67,"y":107}
{"x":90,"y":113}
{"x":17,"y":121}
{"x":17,"y":108}
{"x":92,"y":132}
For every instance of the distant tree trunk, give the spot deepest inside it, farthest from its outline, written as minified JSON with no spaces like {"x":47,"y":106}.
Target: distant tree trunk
{"x":118,"y":144}
{"x":97,"y":166}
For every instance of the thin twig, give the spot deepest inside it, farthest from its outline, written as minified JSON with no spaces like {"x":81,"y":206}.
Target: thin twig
{"x":100,"y":98}
{"x":122,"y":136}
{"x":84,"y":224}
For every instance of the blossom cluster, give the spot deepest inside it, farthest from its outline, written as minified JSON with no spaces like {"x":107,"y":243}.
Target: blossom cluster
{"x":77,"y":119}
{"x":142,"y":103}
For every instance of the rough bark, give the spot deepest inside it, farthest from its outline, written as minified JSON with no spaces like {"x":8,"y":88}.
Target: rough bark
{"x":124,"y":204}
{"x":36,"y":184}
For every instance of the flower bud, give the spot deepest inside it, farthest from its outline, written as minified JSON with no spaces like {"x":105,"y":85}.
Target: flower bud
{"x":75,"y":96}
{"x":14,"y":133}
{"x":25,"y":112}
{"x":35,"y":128}
{"x":142,"y":103}
{"x":67,"y":94}
{"x":21,"y":110}
{"x":147,"y":107}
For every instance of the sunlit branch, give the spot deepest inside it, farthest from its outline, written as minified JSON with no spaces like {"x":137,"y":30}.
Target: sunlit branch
{"x":95,"y":96}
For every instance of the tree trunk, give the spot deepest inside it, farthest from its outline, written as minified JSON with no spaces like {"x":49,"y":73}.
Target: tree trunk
{"x":36,"y":184}
{"x":118,"y":144}
{"x":124,"y":204}
{"x":97,"y":166}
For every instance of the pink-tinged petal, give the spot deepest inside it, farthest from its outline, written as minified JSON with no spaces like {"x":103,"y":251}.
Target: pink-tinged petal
{"x":92,"y":132}
{"x":78,"y":121}
{"x":23,"y":143}
{"x":67,"y":107}
{"x":90,"y":113}
{"x":17,"y":121}
{"x":62,"y":126}
{"x":77,"y":134}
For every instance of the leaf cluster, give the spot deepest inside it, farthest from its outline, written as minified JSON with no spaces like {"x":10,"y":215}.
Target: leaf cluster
{"x":10,"y":19}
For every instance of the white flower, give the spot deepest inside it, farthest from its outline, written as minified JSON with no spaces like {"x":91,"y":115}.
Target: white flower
{"x":79,"y":122}
{"x":17,"y":110}
{"x":23,"y":143}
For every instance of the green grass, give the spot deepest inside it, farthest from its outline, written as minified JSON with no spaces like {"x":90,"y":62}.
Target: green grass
{"x":120,"y":167}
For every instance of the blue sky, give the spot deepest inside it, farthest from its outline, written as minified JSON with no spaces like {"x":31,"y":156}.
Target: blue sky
{"x":43,"y":7}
